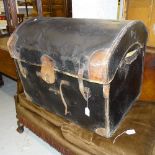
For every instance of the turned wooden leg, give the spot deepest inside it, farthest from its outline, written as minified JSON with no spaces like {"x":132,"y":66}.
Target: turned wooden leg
{"x":1,"y":80}
{"x":20,"y":127}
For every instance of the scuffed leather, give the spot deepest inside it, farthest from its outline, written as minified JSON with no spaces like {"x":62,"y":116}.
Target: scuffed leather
{"x":71,"y":43}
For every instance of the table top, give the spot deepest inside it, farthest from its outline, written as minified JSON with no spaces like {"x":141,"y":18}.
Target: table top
{"x":3,"y":43}
{"x":3,"y":24}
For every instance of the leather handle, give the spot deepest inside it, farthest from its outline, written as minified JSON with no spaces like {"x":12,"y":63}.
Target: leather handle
{"x":131,"y":56}
{"x":63,"y":82}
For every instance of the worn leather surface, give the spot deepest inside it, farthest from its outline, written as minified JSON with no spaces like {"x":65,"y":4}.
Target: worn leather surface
{"x":60,"y":59}
{"x":140,"y":118}
{"x":74,"y":44}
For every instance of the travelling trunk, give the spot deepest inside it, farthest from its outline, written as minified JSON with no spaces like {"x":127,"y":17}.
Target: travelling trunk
{"x":88,"y":71}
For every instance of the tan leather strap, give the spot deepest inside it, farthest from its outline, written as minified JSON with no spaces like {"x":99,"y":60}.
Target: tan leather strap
{"x":85,"y":91}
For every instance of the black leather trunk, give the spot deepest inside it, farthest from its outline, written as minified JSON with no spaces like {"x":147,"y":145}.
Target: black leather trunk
{"x":87,"y":71}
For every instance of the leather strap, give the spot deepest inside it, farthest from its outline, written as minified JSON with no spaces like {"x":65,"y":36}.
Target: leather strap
{"x":85,"y":91}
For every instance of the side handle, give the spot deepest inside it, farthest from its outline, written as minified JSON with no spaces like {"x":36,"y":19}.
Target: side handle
{"x":131,"y":56}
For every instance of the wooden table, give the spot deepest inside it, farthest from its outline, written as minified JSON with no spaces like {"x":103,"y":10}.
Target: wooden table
{"x":7,"y":65}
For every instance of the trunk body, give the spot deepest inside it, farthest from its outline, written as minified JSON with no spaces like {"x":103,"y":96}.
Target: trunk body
{"x":87,"y":71}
